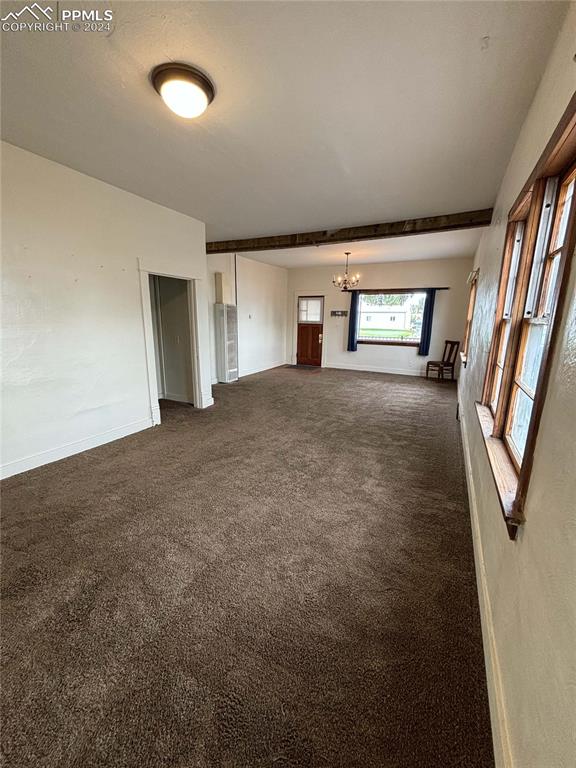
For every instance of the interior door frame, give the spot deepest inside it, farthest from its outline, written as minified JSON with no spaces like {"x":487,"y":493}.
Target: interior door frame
{"x":155,"y":296}
{"x":299,"y":295}
{"x":191,"y":285}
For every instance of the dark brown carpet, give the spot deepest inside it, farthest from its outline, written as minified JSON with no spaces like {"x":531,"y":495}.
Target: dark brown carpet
{"x":283,"y":580}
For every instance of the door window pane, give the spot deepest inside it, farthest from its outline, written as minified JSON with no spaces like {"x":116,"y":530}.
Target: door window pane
{"x":536,"y":338}
{"x":310,"y":309}
{"x":520,"y":420}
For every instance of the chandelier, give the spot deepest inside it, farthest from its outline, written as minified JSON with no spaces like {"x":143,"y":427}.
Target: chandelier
{"x":348,"y":281}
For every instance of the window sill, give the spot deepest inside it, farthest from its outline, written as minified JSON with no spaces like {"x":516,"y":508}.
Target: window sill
{"x":389,"y":343}
{"x":503,"y":470}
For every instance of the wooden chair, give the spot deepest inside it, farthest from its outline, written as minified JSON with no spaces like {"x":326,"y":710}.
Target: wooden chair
{"x":448,"y":360}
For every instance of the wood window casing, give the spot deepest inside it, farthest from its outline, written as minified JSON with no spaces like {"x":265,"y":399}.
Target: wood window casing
{"x":473,"y":281}
{"x":555,"y":312}
{"x":539,"y":296}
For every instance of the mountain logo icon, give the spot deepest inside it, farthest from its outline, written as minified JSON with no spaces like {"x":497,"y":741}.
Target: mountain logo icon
{"x":35,"y":10}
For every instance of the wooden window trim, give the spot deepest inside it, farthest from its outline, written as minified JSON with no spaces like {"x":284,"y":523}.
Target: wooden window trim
{"x":511,"y":476}
{"x":503,"y":470}
{"x":558,"y":155}
{"x":502,"y":290}
{"x":558,"y":305}
{"x":517,"y":313}
{"x":499,"y":337}
{"x":555,"y":253}
{"x":473,"y":282}
{"x":521,"y":207}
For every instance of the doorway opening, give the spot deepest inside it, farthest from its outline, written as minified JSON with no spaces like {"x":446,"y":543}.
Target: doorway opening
{"x":171,"y":327}
{"x":310,"y":330}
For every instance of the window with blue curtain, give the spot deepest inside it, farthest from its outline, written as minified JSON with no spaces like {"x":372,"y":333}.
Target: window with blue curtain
{"x":387,"y":316}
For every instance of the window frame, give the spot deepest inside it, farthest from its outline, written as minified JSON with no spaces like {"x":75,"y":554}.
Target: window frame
{"x":531,"y":305}
{"x":387,"y":342}
{"x":473,"y":278}
{"x":310,"y":322}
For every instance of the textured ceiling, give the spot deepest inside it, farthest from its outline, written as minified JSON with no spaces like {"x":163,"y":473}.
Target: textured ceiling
{"x":326,"y":114}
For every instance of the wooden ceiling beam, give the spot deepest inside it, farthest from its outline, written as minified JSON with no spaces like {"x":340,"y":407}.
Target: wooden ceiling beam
{"x":447,"y":223}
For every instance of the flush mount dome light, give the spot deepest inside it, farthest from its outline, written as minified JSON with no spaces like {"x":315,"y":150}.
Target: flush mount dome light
{"x":184,"y":89}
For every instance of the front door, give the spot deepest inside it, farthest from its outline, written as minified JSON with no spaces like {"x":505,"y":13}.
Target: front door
{"x":310,"y":327}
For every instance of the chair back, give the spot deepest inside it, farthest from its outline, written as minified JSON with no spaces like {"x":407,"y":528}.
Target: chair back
{"x":450,"y":352}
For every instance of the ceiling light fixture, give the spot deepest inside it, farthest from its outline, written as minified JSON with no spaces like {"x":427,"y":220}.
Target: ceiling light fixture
{"x":184,"y":89}
{"x":348,"y":281}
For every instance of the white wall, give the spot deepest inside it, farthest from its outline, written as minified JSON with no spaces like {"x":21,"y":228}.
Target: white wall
{"x":261,"y":316}
{"x":74,"y":352}
{"x":261,"y":300}
{"x":449,"y":311}
{"x":528,"y":587}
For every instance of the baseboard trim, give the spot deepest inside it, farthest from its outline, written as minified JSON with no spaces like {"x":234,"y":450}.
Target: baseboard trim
{"x":376,"y":369}
{"x":206,"y":400}
{"x":251,"y":371}
{"x":70,"y":449}
{"x":500,"y":732}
